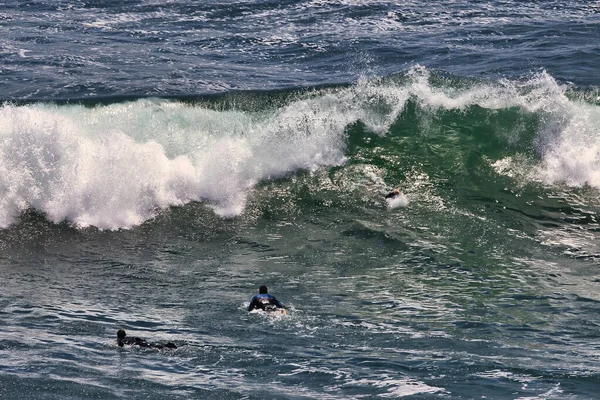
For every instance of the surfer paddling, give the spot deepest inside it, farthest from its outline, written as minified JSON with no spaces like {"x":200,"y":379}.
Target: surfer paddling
{"x":396,"y":198}
{"x":123,"y":339}
{"x":393,"y":194}
{"x":265,"y":301}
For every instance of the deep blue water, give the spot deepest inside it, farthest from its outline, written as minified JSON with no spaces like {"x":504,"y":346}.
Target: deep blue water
{"x":74,"y":49}
{"x":161,"y":160}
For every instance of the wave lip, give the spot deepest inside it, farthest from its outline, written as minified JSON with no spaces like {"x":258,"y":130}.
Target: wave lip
{"x":115,"y":166}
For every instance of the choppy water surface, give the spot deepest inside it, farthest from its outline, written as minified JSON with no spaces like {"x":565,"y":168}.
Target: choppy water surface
{"x":149,"y":182}
{"x":73,"y":49}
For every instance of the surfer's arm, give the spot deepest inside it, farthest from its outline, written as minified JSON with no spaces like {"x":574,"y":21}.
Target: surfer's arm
{"x":252,"y":305}
{"x":279,"y":304}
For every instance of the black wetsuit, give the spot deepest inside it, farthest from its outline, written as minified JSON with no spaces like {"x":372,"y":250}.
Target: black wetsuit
{"x":265,"y":302}
{"x":136,"y":341}
{"x":393,"y":194}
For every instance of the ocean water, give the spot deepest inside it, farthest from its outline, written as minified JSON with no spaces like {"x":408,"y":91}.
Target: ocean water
{"x":160,"y":160}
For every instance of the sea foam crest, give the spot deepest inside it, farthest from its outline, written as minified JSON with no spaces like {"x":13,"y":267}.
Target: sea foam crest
{"x":571,"y":152}
{"x":117,"y":166}
{"x":568,"y":137}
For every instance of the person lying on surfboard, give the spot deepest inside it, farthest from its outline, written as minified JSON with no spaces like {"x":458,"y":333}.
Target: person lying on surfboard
{"x":265,"y":301}
{"x":123,"y":339}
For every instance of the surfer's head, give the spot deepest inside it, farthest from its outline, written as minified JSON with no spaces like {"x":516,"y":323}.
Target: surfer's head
{"x":121,"y":334}
{"x":263,"y":289}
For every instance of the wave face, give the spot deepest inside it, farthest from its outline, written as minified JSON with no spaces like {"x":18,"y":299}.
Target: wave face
{"x":117,"y":165}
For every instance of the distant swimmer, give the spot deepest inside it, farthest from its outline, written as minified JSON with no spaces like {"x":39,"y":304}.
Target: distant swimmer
{"x":396,"y":199}
{"x":265,"y":301}
{"x":393,"y":194}
{"x":123,"y":339}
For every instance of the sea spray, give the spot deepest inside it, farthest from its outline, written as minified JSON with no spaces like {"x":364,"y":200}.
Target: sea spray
{"x":117,"y":165}
{"x":108,"y":171}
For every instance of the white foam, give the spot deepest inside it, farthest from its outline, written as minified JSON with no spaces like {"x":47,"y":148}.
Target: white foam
{"x":568,"y":139}
{"x":117,"y":166}
{"x":399,"y":200}
{"x":397,"y":387}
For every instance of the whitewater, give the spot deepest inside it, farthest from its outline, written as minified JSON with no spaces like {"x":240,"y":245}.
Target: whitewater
{"x":159,"y":161}
{"x":116,"y":166}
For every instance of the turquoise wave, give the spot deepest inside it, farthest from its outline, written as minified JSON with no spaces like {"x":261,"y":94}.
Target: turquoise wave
{"x":118,"y":163}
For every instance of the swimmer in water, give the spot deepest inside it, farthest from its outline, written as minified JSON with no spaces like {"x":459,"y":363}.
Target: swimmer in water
{"x":123,"y":339}
{"x":393,"y":194}
{"x":265,"y":301}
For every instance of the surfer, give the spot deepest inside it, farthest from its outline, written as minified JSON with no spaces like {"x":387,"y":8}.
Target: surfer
{"x":265,"y":301}
{"x":393,"y":194}
{"x":123,"y":339}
